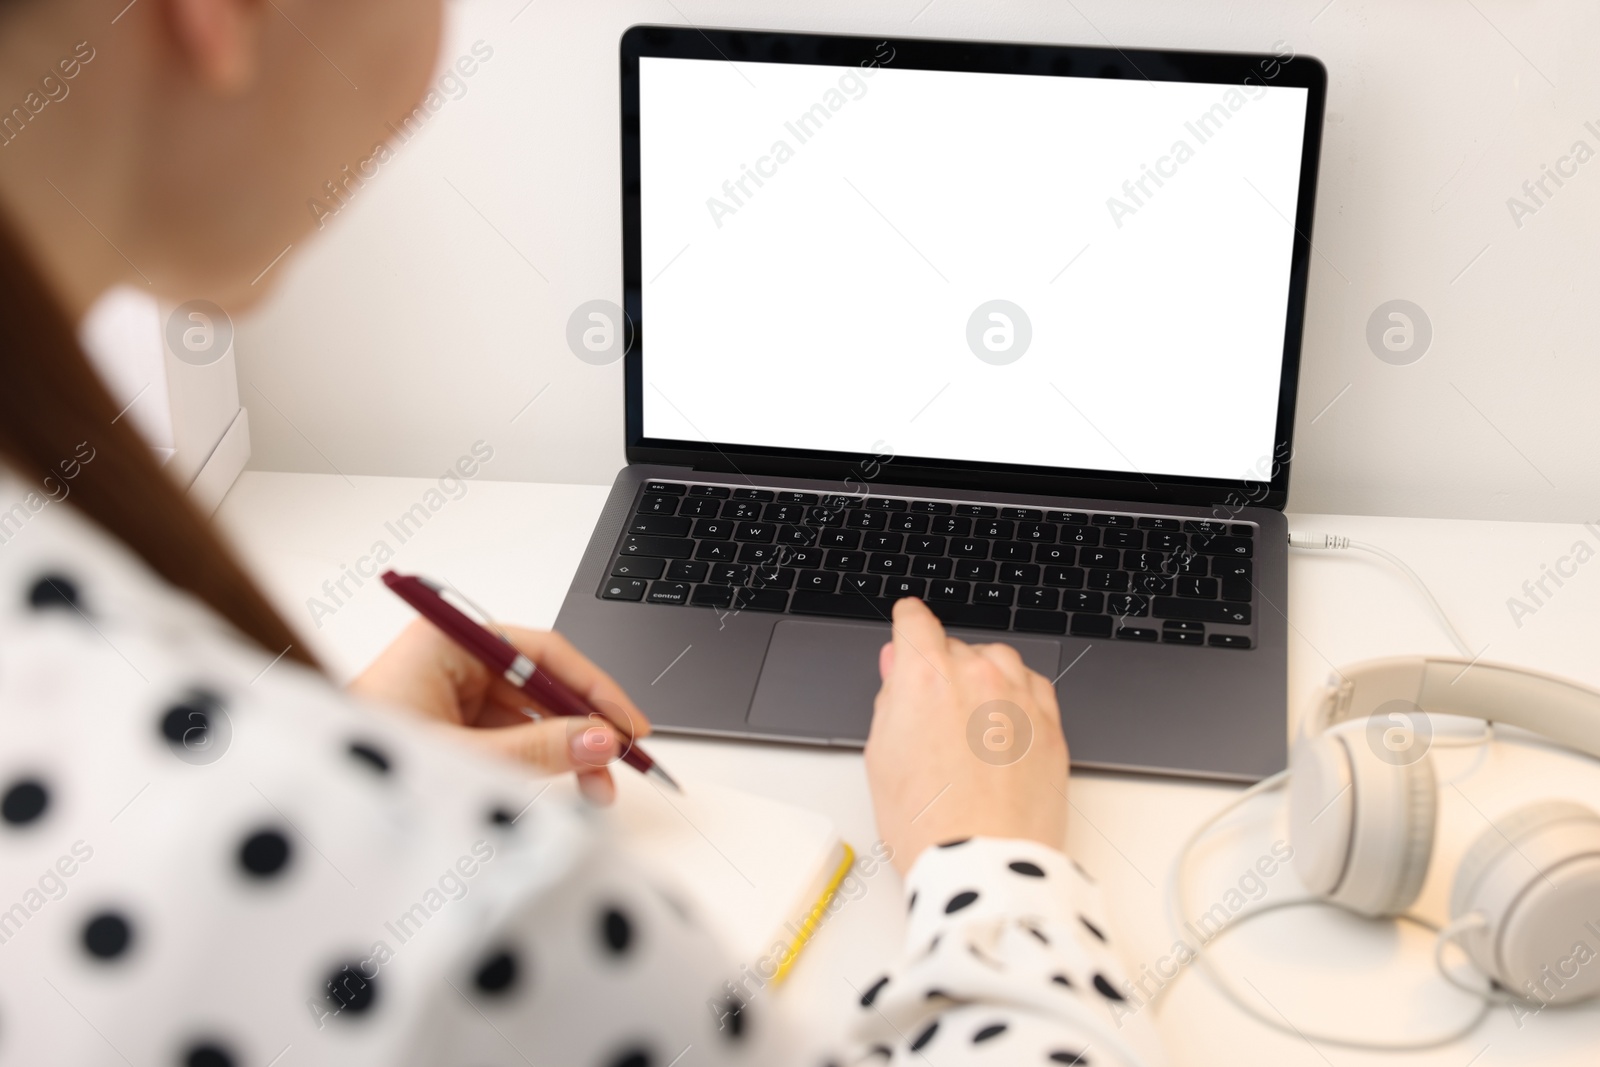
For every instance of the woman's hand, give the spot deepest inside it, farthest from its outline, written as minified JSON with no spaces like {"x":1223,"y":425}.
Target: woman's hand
{"x":425,"y":671}
{"x":966,"y":741}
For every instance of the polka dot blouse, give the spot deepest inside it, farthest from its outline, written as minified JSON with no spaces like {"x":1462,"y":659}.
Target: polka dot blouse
{"x":211,"y":859}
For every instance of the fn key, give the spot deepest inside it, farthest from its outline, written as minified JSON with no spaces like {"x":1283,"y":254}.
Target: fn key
{"x":623,"y":589}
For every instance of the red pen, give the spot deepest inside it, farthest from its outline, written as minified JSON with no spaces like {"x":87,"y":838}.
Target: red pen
{"x":501,"y":656}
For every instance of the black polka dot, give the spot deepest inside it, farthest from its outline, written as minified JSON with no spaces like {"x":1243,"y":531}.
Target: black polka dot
{"x":873,"y":990}
{"x":208,"y":1054}
{"x":1106,"y":989}
{"x":912,"y":903}
{"x":959,"y":901}
{"x":882,"y":1050}
{"x":53,"y":591}
{"x":498,"y":974}
{"x":993,"y":1030}
{"x":188,"y":722}
{"x":634,"y":1057}
{"x":264,"y":853}
{"x":1031,"y":870}
{"x":107,"y":935}
{"x":502,"y":817}
{"x":616,"y":931}
{"x":349,"y":990}
{"x":1092,"y":928}
{"x":733,"y":1010}
{"x":363,"y":752}
{"x":1061,"y":980}
{"x":1063,"y":1056}
{"x":1038,"y":934}
{"x":936,"y":994}
{"x":953,"y":844}
{"x":24,"y":802}
{"x":921,"y":1040}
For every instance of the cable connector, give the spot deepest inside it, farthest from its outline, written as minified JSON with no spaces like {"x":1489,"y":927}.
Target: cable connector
{"x":1299,"y":539}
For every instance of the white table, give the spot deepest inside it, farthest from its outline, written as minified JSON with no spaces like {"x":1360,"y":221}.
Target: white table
{"x":514,"y":547}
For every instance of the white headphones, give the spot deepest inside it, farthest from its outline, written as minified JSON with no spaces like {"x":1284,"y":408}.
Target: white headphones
{"x":1525,"y":902}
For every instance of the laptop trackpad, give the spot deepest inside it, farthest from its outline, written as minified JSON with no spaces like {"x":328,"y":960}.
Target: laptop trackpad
{"x":819,"y":678}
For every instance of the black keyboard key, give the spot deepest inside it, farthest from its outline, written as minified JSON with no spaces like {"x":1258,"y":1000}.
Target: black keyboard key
{"x":1188,"y":562}
{"x":848,"y":606}
{"x":1090,"y":626}
{"x":660,"y":525}
{"x":864,"y":519}
{"x":1149,"y":523}
{"x":864,"y":584}
{"x":668,"y":593}
{"x":700,"y":507}
{"x":840,"y":539}
{"x":760,"y":600}
{"x":882,"y":542}
{"x":1123,"y":539}
{"x":888,"y":563}
{"x":1181,"y":637}
{"x":796,"y":535}
{"x":821,"y":515}
{"x":1012,"y":551}
{"x":1060,"y":555}
{"x":668,"y":488}
{"x":804,"y":557}
{"x":1022,"y":514}
{"x":1043,"y":599}
{"x":1242,"y":529}
{"x":1228,"y":641}
{"x":1199,"y":588}
{"x":1064,"y":577}
{"x":797,"y":498}
{"x":730,"y":574}
{"x":1100,"y":557}
{"x":1179,"y":624}
{"x":1075,"y":518}
{"x":977,"y":616}
{"x":623,"y":589}
{"x":975,"y":570}
{"x":1166,"y":607}
{"x":1124,"y":521}
{"x":908,"y":523}
{"x":1079,"y":535}
{"x":1228,"y":567}
{"x":741,"y":509}
{"x":1154,"y":562}
{"x":658,"y":505}
{"x":688,"y":570}
{"x":624,"y":567}
{"x":1238,"y":589}
{"x":931,"y":566}
{"x":1153,"y":584}
{"x":925,"y":546}
{"x":665,"y":547}
{"x":997,"y":528}
{"x":820,"y":581}
{"x":1019,"y":573}
{"x":1166,"y":541}
{"x":713,"y":529}
{"x":978,"y":511}
{"x":1037,"y":533}
{"x":1205,"y":527}
{"x":882,"y":503}
{"x":1239,"y":547}
{"x":969,"y":548}
{"x":717,"y":551}
{"x":712,"y":596}
{"x":932,"y":507}
{"x":1126,"y":604}
{"x":839,"y":500}
{"x":720,"y":492}
{"x":1091,"y":602}
{"x":994,"y":594}
{"x":952,"y":591}
{"x":1040,"y":622}
{"x":844,"y":560}
{"x":951,"y":526}
{"x":756,"y":553}
{"x":1109,"y":581}
{"x":903,"y":587}
{"x":754,"y":494}
{"x":763,"y":532}
{"x":1137,"y":633}
{"x":791,"y":513}
{"x":772,"y":576}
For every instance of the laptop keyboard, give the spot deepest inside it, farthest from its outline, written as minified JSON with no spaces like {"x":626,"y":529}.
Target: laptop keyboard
{"x":1119,"y":576}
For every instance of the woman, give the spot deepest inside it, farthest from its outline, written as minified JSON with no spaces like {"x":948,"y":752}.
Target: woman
{"x":208,"y":855}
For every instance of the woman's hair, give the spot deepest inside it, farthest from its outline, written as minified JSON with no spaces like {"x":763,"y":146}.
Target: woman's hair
{"x":52,"y":403}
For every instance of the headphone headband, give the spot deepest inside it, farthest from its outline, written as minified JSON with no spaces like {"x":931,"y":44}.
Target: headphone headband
{"x":1562,"y":711}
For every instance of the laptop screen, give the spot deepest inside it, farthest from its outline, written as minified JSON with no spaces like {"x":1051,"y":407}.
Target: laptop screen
{"x":1056,"y":272}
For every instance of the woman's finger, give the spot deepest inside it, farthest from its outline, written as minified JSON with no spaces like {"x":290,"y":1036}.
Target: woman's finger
{"x":553,"y":745}
{"x":1006,"y":658}
{"x":554,"y":653}
{"x":919,"y":643}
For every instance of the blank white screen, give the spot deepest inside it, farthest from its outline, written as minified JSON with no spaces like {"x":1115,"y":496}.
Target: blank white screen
{"x":827,"y":307}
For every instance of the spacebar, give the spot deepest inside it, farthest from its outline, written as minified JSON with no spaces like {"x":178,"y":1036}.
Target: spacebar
{"x":812,"y":602}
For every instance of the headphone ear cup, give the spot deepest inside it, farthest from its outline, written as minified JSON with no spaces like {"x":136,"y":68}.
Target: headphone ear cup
{"x":1534,"y":876}
{"x":1362,"y":826}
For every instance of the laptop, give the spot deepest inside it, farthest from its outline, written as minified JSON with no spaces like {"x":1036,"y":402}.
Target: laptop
{"x":1012,"y":328}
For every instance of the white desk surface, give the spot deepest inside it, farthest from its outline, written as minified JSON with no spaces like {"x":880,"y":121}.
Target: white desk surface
{"x":514,"y":547}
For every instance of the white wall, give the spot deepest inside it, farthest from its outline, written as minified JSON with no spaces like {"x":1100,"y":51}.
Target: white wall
{"x":419,"y":322}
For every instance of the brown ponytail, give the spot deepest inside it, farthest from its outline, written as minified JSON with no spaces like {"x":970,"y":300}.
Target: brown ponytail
{"x":52,"y":400}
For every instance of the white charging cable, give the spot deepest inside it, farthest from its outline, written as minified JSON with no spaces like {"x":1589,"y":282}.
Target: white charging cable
{"x":1337,"y":542}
